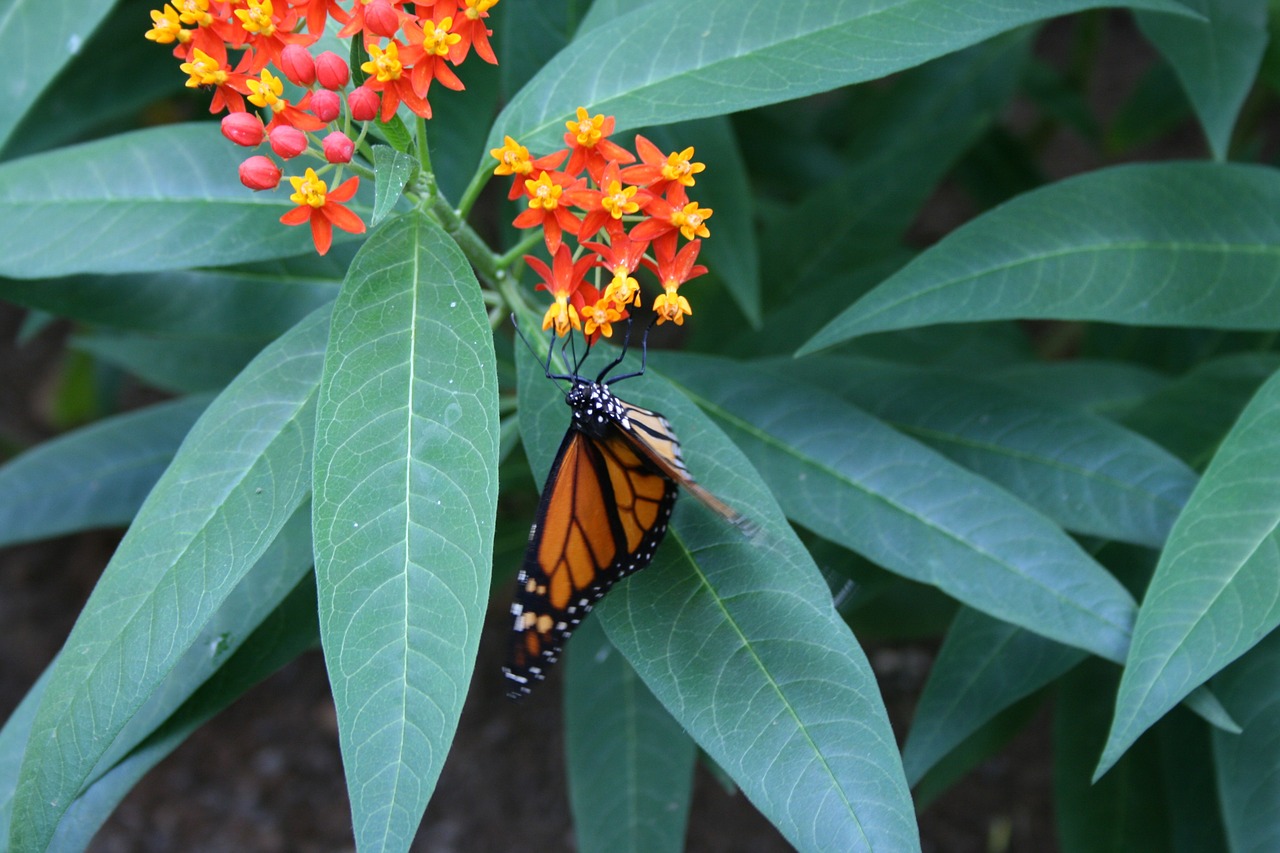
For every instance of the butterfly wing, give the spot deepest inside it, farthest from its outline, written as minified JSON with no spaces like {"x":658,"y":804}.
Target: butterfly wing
{"x":603,"y":512}
{"x":653,"y":434}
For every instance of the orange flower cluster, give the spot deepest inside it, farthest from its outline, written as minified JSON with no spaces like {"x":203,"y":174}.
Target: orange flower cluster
{"x":623,"y":216}
{"x":410,"y":45}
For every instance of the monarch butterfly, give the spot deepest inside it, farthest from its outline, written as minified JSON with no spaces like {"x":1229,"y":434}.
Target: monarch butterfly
{"x":603,"y":512}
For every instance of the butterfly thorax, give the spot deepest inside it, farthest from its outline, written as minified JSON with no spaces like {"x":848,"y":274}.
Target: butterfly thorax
{"x":595,"y":408}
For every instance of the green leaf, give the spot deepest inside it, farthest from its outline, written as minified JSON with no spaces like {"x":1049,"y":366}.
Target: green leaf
{"x":94,"y":477}
{"x":395,"y":132}
{"x":1182,"y":244}
{"x":34,"y":36}
{"x":743,"y":54}
{"x":1191,"y":414}
{"x":854,"y":480}
{"x":1106,"y":387}
{"x":137,"y":73}
{"x":1084,"y":472}
{"x":405,"y":498}
{"x":180,"y":364}
{"x":239,"y":476}
{"x":738,"y":639}
{"x":1216,"y":58}
{"x":287,"y":631}
{"x":1125,"y":811}
{"x":630,"y":764}
{"x":1248,"y":784}
{"x":254,"y":302}
{"x":984,"y":667}
{"x":1216,"y":590}
{"x":157,"y":199}
{"x":13,"y":744}
{"x":907,"y":140}
{"x":392,"y":169}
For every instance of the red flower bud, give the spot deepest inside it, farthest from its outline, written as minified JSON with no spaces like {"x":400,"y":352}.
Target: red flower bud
{"x":287,"y":141}
{"x":364,"y":103}
{"x":259,"y":173}
{"x":380,"y":18}
{"x":331,"y":70}
{"x":243,"y":129}
{"x":297,"y":65}
{"x":338,"y":147}
{"x":326,"y":105}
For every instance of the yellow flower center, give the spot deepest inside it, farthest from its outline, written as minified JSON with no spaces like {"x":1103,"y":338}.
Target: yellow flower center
{"x":259,"y":18}
{"x":438,"y":38}
{"x":543,"y":193}
{"x":266,"y":92}
{"x":618,"y":200}
{"x":203,"y":70}
{"x":476,"y":8}
{"x":586,"y":128}
{"x":195,"y":12}
{"x":309,"y":190}
{"x":383,"y":64}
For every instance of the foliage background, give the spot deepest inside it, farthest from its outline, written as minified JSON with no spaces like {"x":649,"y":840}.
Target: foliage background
{"x":1070,"y":135}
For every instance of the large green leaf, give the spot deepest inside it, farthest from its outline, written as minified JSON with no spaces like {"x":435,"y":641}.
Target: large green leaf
{"x":1107,"y":387}
{"x":1084,"y":472}
{"x":1248,"y":784}
{"x":176,"y":363}
{"x":97,"y":476}
{"x":984,"y":667}
{"x":737,"y":637}
{"x":405,"y":498}
{"x":254,"y":301}
{"x":238,"y":477}
{"x":856,"y":481}
{"x":115,"y":58}
{"x":1216,"y":590}
{"x":647,"y":69}
{"x":630,"y":764}
{"x":34,"y":43}
{"x":1216,"y":58}
{"x":1180,"y":244}
{"x":157,"y":199}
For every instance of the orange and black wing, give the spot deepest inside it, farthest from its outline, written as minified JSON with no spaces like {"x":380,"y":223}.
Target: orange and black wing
{"x":603,"y":512}
{"x":654,"y":436}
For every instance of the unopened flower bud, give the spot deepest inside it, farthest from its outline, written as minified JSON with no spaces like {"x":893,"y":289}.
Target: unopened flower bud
{"x":243,"y":129}
{"x":338,"y":147}
{"x":297,"y":65}
{"x":259,"y":173}
{"x":288,"y":141}
{"x":326,"y":104}
{"x":380,"y":18}
{"x":332,"y":70}
{"x":363,"y":103}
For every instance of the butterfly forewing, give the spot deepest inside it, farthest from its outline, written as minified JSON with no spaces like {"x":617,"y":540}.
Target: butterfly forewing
{"x":604,"y":510}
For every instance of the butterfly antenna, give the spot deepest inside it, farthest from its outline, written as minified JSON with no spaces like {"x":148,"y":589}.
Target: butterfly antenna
{"x":551,"y":348}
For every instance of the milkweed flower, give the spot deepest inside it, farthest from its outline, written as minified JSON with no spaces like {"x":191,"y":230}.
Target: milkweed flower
{"x":561,"y":279}
{"x":322,"y":208}
{"x":674,"y":270}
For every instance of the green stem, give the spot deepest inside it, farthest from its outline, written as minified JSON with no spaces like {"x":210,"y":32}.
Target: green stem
{"x":472,"y":192}
{"x":424,"y":151}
